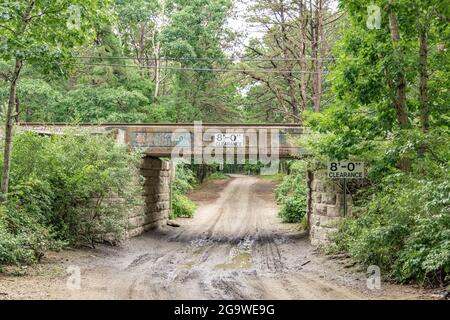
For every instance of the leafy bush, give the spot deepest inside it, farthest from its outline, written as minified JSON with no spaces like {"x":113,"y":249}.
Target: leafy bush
{"x":22,"y":238}
{"x":405,"y":229}
{"x":182,"y":206}
{"x":291,"y":194}
{"x":15,"y":249}
{"x":63,"y":194}
{"x":293,"y":209}
{"x":185,"y":181}
{"x":252,"y":168}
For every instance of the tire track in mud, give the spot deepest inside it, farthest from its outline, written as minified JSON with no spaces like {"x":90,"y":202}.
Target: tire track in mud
{"x":190,"y":242}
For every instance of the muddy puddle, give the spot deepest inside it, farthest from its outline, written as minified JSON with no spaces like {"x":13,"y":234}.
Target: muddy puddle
{"x":241,"y":261}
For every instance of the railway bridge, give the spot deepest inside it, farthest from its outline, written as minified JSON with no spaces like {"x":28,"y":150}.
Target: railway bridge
{"x":163,"y":145}
{"x":254,"y":141}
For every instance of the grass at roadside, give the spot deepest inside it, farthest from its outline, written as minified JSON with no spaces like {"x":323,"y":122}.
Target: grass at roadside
{"x":218,"y":176}
{"x":278,"y":178}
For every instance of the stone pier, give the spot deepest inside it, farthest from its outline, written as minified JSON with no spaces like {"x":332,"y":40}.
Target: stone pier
{"x":325,"y":206}
{"x":157,"y":186}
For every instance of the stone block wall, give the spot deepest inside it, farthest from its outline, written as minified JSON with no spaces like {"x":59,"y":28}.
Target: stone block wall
{"x":325,"y":206}
{"x":157,"y":189}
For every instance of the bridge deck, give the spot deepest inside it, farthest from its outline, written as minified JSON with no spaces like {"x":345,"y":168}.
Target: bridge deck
{"x":159,"y":139}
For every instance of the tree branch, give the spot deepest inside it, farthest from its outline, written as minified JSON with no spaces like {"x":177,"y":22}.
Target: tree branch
{"x":7,"y":28}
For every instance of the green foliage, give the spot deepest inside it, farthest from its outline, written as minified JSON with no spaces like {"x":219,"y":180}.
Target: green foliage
{"x":402,"y":220}
{"x":37,"y":99}
{"x":217,"y":176}
{"x":185,"y":181}
{"x":111,"y":92}
{"x":405,"y":229}
{"x":291,"y":194}
{"x":278,"y":178}
{"x":293,"y":209}
{"x":96,"y":105}
{"x":182,"y":206}
{"x":293,"y":184}
{"x":15,"y":249}
{"x":63,"y":194}
{"x":277,"y":97}
{"x":192,"y":29}
{"x":23,"y":235}
{"x":44,"y":33}
{"x":190,"y":33}
{"x":252,"y":168}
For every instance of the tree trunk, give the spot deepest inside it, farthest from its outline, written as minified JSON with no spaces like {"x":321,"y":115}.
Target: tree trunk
{"x":302,"y":56}
{"x":157,"y":69}
{"x":288,"y":66}
{"x":317,"y":34}
{"x":9,"y":131}
{"x":9,"y":113}
{"x":400,"y":96}
{"x":17,"y":104}
{"x":423,"y":67}
{"x":400,"y":85}
{"x":141,"y":54}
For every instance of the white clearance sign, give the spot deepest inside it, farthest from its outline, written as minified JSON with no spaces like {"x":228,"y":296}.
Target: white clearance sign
{"x":229,"y":140}
{"x":345,"y":170}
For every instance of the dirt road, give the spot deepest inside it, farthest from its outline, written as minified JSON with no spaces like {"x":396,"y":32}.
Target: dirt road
{"x":235,"y":248}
